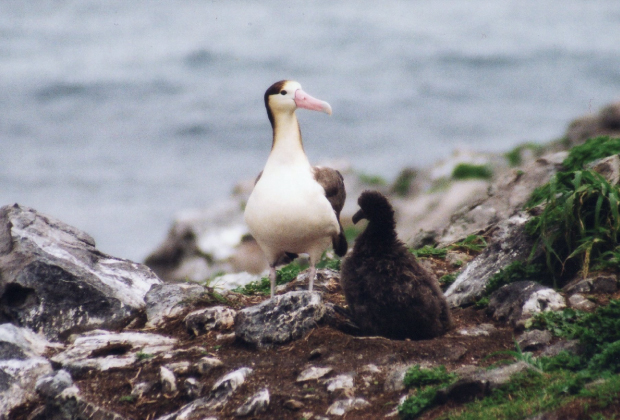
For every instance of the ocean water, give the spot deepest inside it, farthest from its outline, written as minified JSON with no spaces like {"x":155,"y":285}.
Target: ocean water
{"x":115,"y":115}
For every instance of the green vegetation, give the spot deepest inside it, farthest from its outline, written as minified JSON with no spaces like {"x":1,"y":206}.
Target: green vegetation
{"x":372,"y":179}
{"x":402,"y":184}
{"x":427,"y":382}
{"x":143,"y":356}
{"x":430,"y":251}
{"x":469,"y":171}
{"x":579,"y":225}
{"x":515,"y":271}
{"x":515,"y":157}
{"x":473,"y":243}
{"x":285,"y":275}
{"x":127,"y":399}
{"x":448,"y":279}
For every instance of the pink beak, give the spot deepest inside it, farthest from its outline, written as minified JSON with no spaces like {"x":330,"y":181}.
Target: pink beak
{"x":303,"y":100}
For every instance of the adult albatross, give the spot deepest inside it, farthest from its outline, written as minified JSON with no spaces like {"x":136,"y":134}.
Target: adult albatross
{"x":294,"y":207}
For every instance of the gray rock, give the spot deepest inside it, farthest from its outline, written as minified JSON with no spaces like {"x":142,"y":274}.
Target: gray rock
{"x":609,"y":167}
{"x":169,"y":300}
{"x":21,"y":343}
{"x":281,"y":319}
{"x":579,"y":301}
{"x":214,"y":318}
{"x":293,"y":405}
{"x":341,"y":407}
{"x":509,"y":243}
{"x":51,"y":385}
{"x":571,"y":346}
{"x":179,"y":368}
{"x":103,"y":350}
{"x":18,"y":379}
{"x":480,"y":383}
{"x":521,"y":300}
{"x":139,"y":389}
{"x":206,"y":406}
{"x":535,"y":339}
{"x":478,"y":331}
{"x":208,"y":364}
{"x":167,"y":380}
{"x":394,"y":378}
{"x":54,"y":281}
{"x":340,"y":382}
{"x":255,"y":404}
{"x":69,"y":404}
{"x":313,"y":373}
{"x":605,"y":283}
{"x":192,"y":388}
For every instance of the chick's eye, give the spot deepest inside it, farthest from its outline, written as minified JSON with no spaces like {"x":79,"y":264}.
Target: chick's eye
{"x":283,"y":92}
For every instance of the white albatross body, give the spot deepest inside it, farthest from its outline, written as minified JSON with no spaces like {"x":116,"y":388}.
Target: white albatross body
{"x":288,"y":210}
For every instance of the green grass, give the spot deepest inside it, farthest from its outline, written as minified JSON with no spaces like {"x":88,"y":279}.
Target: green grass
{"x":285,"y":275}
{"x":448,"y":279}
{"x":473,"y":243}
{"x":430,"y":251}
{"x":469,"y":171}
{"x":579,"y":226}
{"x":127,"y":399}
{"x":514,"y":157}
{"x":143,"y":356}
{"x":426,"y":382}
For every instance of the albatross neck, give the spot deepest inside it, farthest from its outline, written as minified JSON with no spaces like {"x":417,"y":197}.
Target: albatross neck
{"x":287,"y":147}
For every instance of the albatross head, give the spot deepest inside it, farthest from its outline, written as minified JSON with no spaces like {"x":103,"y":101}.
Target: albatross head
{"x":286,"y":96}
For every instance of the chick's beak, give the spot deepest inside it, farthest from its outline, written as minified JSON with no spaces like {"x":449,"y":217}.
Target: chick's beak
{"x":358,"y":216}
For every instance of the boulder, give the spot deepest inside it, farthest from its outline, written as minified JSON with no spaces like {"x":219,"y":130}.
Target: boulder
{"x":509,"y":243}
{"x":21,"y":343}
{"x":313,"y":373}
{"x":54,"y":281}
{"x":516,"y":302}
{"x":279,"y":320}
{"x":535,"y":339}
{"x":602,"y":283}
{"x":214,"y":318}
{"x":102,"y":350}
{"x":18,"y":379}
{"x":255,"y":404}
{"x":341,"y":407}
{"x":169,"y":300}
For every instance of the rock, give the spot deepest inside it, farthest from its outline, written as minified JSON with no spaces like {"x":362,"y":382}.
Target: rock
{"x":139,"y":389}
{"x":279,"y":320}
{"x":317,"y":353}
{"x":609,"y":167}
{"x":103,"y":350}
{"x":509,"y":243}
{"x":313,"y":373}
{"x":480,"y":383}
{"x":200,"y":243}
{"x":532,"y":340}
{"x":192,"y":388}
{"x":167,"y":380}
{"x":204,"y":407}
{"x":208,"y":364}
{"x":18,"y":379}
{"x":340,"y":382}
{"x":178,"y":368}
{"x":478,"y":331}
{"x":232,"y":281}
{"x":606,"y":122}
{"x":21,"y":343}
{"x":571,"y":346}
{"x":169,"y":300}
{"x":394,"y":378}
{"x":519,"y":301}
{"x":341,"y":407}
{"x":503,"y":200}
{"x":579,"y":302}
{"x":604,"y":283}
{"x":54,"y":281}
{"x":71,"y":405}
{"x":293,"y":405}
{"x":255,"y":404}
{"x":203,"y":320}
{"x":51,"y":385}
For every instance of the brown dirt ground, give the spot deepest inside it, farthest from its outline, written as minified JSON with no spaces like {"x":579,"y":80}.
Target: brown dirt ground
{"x":278,"y":367}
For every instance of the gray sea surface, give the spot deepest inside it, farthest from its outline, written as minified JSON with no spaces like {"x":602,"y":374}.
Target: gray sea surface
{"x":115,"y":115}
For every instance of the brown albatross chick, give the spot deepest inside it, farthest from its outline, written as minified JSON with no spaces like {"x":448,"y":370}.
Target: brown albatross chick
{"x":388,"y":292}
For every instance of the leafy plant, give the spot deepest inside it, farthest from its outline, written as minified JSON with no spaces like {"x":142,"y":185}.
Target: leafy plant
{"x":430,"y":251}
{"x":127,"y":399}
{"x":285,"y":275}
{"x":143,"y":356}
{"x":417,"y":377}
{"x":427,"y":382}
{"x":473,"y":243}
{"x":470,"y":171}
{"x":448,"y":279}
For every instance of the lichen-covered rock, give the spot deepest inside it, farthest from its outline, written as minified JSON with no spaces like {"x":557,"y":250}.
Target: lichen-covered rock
{"x":54,"y":281}
{"x":281,"y":319}
{"x":534,"y":339}
{"x":169,"y":300}
{"x":18,"y":379}
{"x":21,"y":343}
{"x":519,"y":301}
{"x":214,"y":318}
{"x":509,"y":243}
{"x":103,"y":350}
{"x":255,"y":404}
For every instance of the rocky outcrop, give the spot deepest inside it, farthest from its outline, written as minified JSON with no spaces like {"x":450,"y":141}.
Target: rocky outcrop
{"x":54,"y":281}
{"x":605,"y":123}
{"x":280,"y":319}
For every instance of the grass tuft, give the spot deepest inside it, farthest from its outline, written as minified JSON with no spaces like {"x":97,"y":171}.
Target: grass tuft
{"x":469,"y":171}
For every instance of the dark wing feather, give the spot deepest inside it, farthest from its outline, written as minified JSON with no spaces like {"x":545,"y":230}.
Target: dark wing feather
{"x":332,"y":182}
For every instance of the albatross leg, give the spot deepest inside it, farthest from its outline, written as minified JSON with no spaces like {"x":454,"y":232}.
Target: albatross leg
{"x":311,"y":275}
{"x":272,"y":278}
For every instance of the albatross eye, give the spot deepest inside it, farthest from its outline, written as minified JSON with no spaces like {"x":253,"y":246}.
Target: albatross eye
{"x":283,"y":92}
